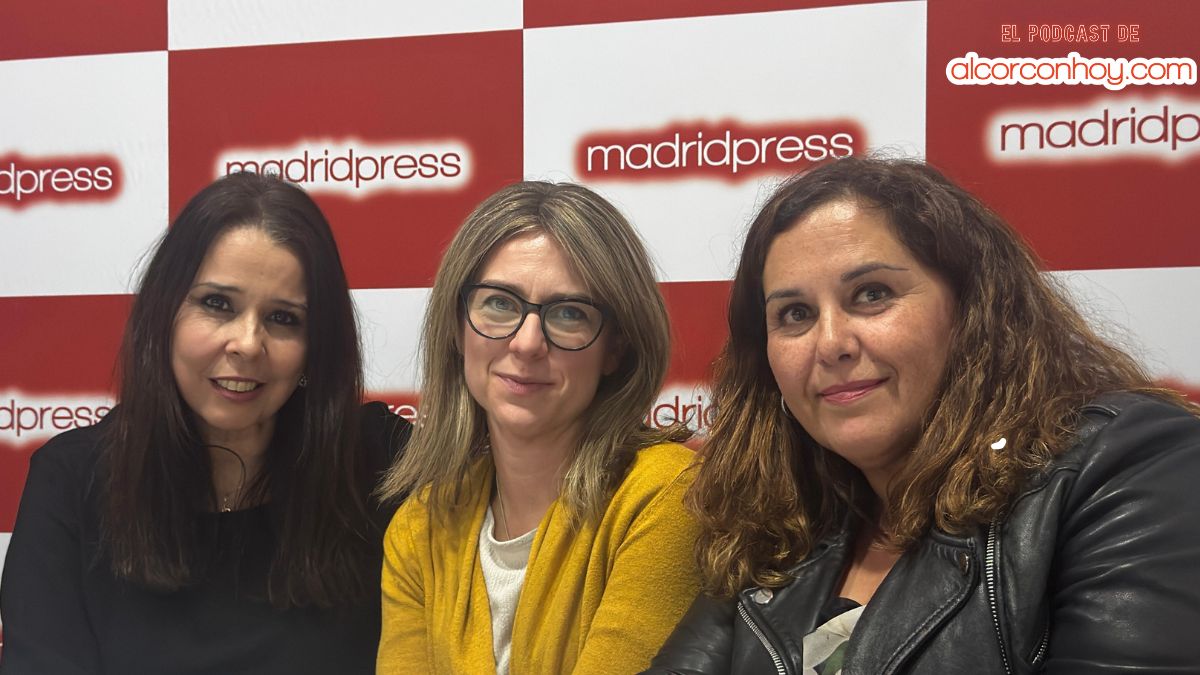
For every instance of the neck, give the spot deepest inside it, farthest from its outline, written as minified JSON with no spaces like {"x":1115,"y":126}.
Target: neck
{"x":236,"y":461}
{"x":880,"y":479}
{"x":528,"y":476}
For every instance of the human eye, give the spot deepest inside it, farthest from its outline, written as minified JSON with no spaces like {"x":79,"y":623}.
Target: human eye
{"x":570,"y":312}
{"x":793,"y":316}
{"x":215,"y":302}
{"x":284,"y":317}
{"x":872,"y":294}
{"x":501,"y":303}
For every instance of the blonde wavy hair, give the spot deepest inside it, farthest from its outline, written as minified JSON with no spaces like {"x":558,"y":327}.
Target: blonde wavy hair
{"x":1021,"y":364}
{"x":608,"y":256}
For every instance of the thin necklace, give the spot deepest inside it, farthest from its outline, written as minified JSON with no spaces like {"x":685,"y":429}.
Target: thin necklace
{"x":503,"y":514}
{"x":228,"y":501}
{"x":232,"y":498}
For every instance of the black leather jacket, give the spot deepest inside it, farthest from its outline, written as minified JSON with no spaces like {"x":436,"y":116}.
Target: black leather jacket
{"x":1094,"y":569}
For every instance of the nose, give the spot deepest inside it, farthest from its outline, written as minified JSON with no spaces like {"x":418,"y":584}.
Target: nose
{"x":836,"y":339}
{"x":245,"y":336}
{"x":529,"y":341}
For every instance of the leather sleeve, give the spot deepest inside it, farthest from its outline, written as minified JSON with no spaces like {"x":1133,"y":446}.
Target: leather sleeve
{"x":1125,"y":594}
{"x":702,"y":643}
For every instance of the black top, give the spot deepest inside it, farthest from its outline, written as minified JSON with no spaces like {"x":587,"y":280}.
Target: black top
{"x":65,"y":612}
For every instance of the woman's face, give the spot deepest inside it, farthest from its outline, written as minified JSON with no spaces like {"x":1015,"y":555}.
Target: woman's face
{"x":239,"y":341}
{"x":529,"y":389}
{"x":858,"y":332}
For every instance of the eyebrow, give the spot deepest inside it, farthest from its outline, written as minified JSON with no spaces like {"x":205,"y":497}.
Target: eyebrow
{"x":868,"y":268}
{"x":554,"y":297}
{"x":224,"y":288}
{"x":849,"y":275}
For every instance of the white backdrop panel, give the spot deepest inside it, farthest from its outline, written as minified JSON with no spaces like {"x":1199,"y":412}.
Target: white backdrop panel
{"x":861,"y":63}
{"x":4,"y":537}
{"x":113,"y":105}
{"x":229,"y":23}
{"x":1149,"y":312}
{"x":389,"y":321}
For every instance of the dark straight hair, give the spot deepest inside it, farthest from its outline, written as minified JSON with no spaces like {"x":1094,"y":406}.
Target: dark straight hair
{"x":158,"y":474}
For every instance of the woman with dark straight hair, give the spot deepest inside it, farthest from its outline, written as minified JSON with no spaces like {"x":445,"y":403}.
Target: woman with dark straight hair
{"x":220,"y":518}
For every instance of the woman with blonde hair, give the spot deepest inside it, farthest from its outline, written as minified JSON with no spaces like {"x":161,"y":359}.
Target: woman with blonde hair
{"x":925,"y":461}
{"x":546,"y":533}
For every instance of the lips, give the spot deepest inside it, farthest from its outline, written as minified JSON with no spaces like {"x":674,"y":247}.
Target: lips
{"x":522,"y":385}
{"x":848,"y":392}
{"x":236,"y":385}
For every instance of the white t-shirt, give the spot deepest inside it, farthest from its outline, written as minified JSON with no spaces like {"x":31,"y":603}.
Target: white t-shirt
{"x":504,"y":564}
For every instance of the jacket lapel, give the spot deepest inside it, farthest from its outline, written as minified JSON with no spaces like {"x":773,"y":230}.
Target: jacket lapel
{"x":925,"y":588}
{"x":787,"y":614}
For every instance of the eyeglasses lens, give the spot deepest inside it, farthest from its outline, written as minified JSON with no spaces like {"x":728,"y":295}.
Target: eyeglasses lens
{"x":498,"y":314}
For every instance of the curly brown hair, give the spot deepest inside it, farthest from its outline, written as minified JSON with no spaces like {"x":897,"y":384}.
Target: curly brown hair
{"x":1022,"y":362}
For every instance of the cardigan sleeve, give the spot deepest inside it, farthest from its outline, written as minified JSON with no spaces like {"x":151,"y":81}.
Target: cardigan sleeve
{"x":1126,"y":593}
{"x":46,"y":626}
{"x":652,"y":582}
{"x":403,"y":642}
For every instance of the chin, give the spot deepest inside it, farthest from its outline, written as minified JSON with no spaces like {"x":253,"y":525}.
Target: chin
{"x":514,"y":421}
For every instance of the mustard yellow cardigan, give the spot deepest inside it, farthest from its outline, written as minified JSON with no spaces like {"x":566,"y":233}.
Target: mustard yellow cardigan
{"x":600,"y":597}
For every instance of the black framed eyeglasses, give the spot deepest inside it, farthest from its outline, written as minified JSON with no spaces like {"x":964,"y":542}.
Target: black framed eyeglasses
{"x":497,"y":313}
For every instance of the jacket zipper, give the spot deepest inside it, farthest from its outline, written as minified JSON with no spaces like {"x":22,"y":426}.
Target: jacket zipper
{"x":990,"y":575}
{"x":1041,"y":651}
{"x":774,"y":653}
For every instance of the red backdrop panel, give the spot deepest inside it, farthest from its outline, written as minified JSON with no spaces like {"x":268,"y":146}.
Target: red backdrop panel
{"x":698,"y":327}
{"x":1081,"y":210}
{"x":45,"y":28}
{"x":407,"y":91}
{"x":56,"y":350}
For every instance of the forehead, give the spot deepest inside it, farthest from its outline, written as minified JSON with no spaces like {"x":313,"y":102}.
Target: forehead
{"x":249,"y":254}
{"x":531,"y":261}
{"x":833,"y":236}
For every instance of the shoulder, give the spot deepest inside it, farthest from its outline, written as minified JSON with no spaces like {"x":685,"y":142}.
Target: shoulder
{"x":667,"y":460}
{"x":660,"y":464}
{"x":1127,"y":426}
{"x":76,"y":451}
{"x":63,"y":473}
{"x":383,"y":432}
{"x":657,"y":473}
{"x":415,"y":517}
{"x":1126,"y":441}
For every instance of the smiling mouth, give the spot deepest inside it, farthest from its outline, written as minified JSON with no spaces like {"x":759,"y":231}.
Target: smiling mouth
{"x":850,"y":391}
{"x":237,"y":386}
{"x":522,"y":385}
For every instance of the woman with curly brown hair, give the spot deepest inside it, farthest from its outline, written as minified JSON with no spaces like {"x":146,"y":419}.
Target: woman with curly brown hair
{"x":924,"y":459}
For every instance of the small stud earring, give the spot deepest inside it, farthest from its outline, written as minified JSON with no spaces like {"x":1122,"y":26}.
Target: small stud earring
{"x":303,"y":381}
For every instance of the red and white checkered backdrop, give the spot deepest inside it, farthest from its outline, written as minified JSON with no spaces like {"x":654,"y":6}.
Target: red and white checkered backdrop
{"x":400,"y":115}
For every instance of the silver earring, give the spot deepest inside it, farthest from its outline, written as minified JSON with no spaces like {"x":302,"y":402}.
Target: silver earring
{"x":303,"y":381}
{"x":783,"y":406}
